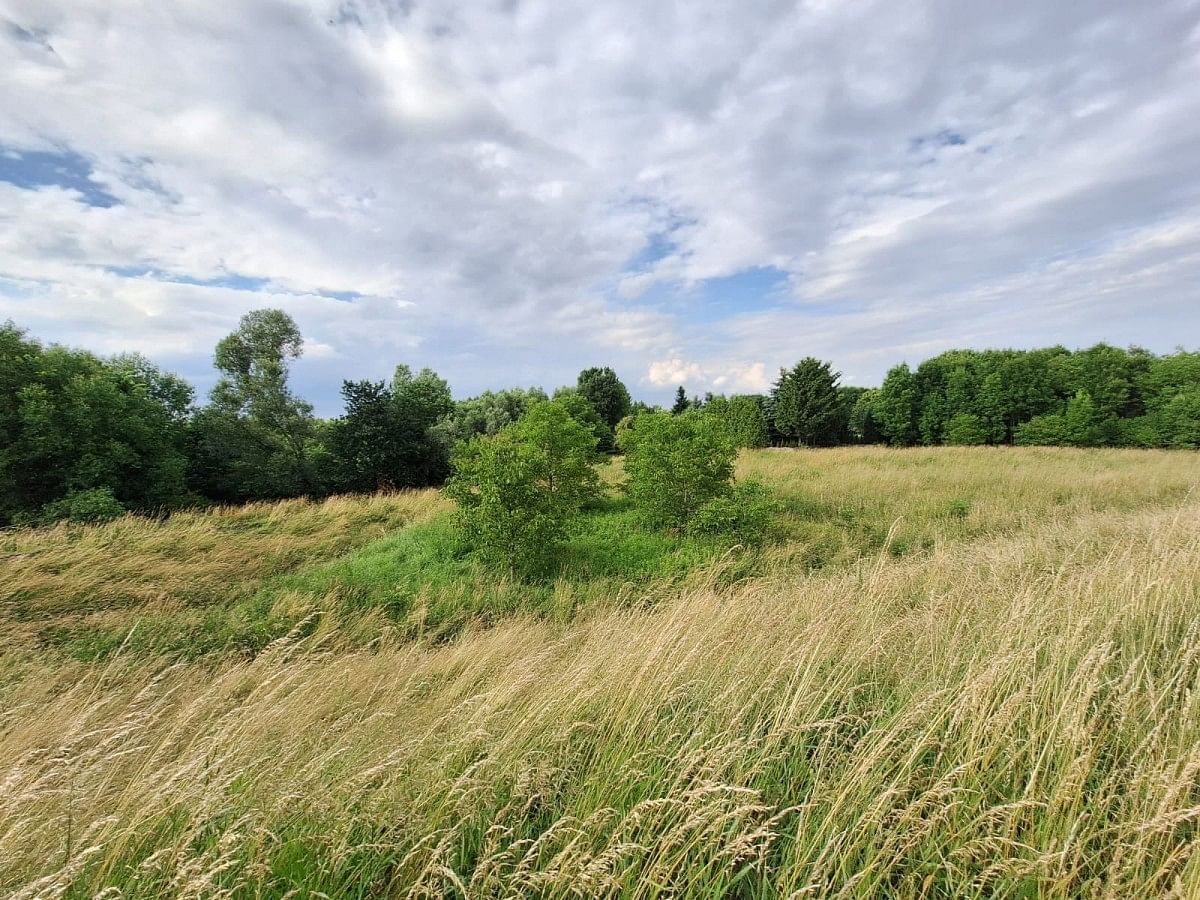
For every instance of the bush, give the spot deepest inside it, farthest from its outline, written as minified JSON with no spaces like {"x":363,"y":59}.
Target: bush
{"x":95,"y":505}
{"x":519,"y":492}
{"x":1041,"y":431}
{"x":675,"y":465}
{"x":965,"y":430}
{"x":744,"y":514}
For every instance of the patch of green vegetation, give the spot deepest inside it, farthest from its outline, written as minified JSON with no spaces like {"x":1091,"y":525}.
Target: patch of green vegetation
{"x":418,"y":583}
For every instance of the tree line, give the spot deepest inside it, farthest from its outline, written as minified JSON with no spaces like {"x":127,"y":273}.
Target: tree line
{"x":85,"y":437}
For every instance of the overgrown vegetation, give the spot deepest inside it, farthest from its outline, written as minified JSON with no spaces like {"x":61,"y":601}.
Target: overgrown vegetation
{"x":956,"y":673}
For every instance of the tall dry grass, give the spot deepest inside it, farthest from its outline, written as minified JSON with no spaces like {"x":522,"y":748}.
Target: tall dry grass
{"x":69,"y":574}
{"x":1012,"y":717}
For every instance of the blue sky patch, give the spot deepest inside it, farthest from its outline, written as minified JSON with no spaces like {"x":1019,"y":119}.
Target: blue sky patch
{"x":716,"y":299}
{"x":947,"y":137}
{"x":34,"y":169}
{"x":234,"y":282}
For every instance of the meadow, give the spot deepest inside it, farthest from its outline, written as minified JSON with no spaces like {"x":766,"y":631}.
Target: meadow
{"x":965,"y":672}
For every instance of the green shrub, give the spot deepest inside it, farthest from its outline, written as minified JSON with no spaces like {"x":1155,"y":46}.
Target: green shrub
{"x":1041,"y":431}
{"x":744,"y":514}
{"x":965,"y":430}
{"x":95,"y":505}
{"x":519,"y":492}
{"x":675,"y":465}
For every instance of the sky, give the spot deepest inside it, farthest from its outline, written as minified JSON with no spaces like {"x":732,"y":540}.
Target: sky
{"x":508,"y":191}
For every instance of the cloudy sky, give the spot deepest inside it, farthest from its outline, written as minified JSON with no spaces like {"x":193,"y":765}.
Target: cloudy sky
{"x":689,"y":191}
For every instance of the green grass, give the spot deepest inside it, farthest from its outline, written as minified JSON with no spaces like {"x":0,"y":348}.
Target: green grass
{"x":418,"y":583}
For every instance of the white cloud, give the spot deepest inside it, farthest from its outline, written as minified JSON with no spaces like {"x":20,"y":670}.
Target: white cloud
{"x":483,"y":180}
{"x":734,"y":378}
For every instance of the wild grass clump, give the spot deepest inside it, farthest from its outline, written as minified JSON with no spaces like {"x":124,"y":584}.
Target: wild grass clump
{"x":1013,"y":717}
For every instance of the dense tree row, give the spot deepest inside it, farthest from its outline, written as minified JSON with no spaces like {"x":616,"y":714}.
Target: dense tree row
{"x":87,"y":437}
{"x":1101,"y":396}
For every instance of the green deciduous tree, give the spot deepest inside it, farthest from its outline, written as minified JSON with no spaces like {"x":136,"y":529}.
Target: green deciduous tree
{"x":676,"y":464}
{"x":603,"y":389}
{"x":587,"y":415}
{"x":74,"y":424}
{"x":385,"y":439}
{"x":896,"y":405}
{"x":742,"y":416}
{"x":486,"y":414}
{"x":519,"y":491}
{"x":863,"y":427}
{"x":256,"y":439}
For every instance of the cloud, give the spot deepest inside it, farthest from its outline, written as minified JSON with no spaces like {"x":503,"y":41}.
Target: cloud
{"x":734,"y":378}
{"x":510,"y":191}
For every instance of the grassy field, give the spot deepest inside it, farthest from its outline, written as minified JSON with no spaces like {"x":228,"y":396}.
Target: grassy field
{"x":953,"y":673}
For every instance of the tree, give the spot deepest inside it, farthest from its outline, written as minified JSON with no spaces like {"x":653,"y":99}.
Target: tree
{"x":603,"y":389}
{"x":586,"y":415}
{"x":895,"y":407}
{"x":1041,"y":431}
{"x":848,"y":396}
{"x":420,"y":402}
{"x":806,"y":403}
{"x":486,"y":414}
{"x":79,"y":433}
{"x":519,"y":491}
{"x":675,"y":465}
{"x":1083,"y":423}
{"x":862,"y":425}
{"x":255,"y":440}
{"x":742,"y":417}
{"x":1179,"y":420}
{"x":385,"y":439}
{"x":682,"y":404}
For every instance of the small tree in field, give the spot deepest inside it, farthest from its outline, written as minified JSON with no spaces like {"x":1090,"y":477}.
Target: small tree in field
{"x":676,"y":464}
{"x":519,"y":491}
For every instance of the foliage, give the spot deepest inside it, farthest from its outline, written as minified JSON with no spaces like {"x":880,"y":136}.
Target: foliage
{"x":583,"y":412}
{"x":255,"y":439}
{"x":895,"y":406}
{"x":682,"y":404}
{"x":743,"y":515}
{"x":1041,"y":431}
{"x":965,"y":429}
{"x":742,"y":416}
{"x":519,"y":491}
{"x":1099,"y":396}
{"x":93,"y":505}
{"x":486,"y":414}
{"x":72,"y":423}
{"x":386,"y":438}
{"x":603,"y":389}
{"x":806,"y":407}
{"x":676,"y":464}
{"x":861,"y":423}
